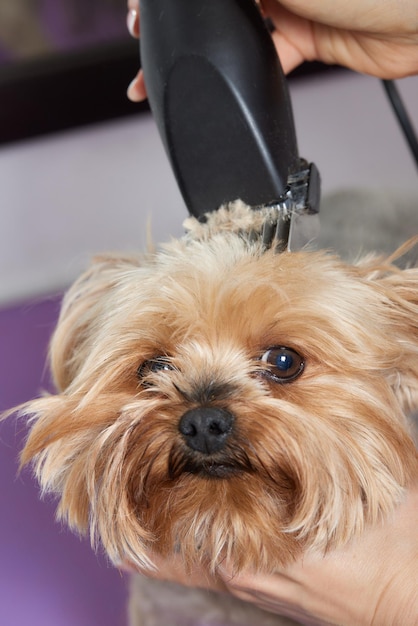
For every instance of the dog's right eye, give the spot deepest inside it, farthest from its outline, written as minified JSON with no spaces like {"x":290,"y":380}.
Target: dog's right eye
{"x":152,"y":366}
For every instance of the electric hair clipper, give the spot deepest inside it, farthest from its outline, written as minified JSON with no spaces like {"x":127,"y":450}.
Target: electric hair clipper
{"x":221,"y":103}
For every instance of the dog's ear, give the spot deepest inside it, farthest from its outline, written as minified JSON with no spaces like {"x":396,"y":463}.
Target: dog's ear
{"x":81,"y":315}
{"x":398,"y":289}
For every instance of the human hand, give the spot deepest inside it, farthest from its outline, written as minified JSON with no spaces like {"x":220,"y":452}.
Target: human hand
{"x":172,"y":569}
{"x":136,"y":90}
{"x":371,"y":582}
{"x":372,"y":37}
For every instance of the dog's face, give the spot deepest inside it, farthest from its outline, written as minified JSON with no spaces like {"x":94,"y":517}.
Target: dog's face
{"x":225,"y":402}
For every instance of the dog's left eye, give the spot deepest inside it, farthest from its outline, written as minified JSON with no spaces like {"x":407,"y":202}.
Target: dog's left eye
{"x":285,"y":364}
{"x":152,"y":366}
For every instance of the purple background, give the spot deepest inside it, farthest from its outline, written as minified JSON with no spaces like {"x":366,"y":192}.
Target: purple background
{"x":63,"y":26}
{"x":48,"y":577}
{"x":77,"y":23}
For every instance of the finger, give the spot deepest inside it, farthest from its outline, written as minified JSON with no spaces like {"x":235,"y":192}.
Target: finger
{"x":292,"y":36}
{"x":136,"y":91}
{"x":173,"y":569}
{"x":133,"y":5}
{"x":290,"y":56}
{"x":132,"y":22}
{"x":277,"y":593}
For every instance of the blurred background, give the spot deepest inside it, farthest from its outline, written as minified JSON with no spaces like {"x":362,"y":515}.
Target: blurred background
{"x":82,"y":171}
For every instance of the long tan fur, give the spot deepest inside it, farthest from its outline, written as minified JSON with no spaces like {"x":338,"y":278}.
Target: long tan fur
{"x":316,"y":458}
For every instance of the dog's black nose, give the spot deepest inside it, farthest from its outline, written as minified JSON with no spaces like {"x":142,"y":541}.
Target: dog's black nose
{"x":206,"y":429}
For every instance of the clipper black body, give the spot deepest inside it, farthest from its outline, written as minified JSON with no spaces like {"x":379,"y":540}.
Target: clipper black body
{"x":221,"y":102}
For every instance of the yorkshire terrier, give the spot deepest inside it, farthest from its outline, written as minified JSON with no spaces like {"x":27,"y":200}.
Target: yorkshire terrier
{"x":218,"y":400}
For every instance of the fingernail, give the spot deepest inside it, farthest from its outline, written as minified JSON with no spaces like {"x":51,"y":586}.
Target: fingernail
{"x":131,"y":92}
{"x":131,"y":21}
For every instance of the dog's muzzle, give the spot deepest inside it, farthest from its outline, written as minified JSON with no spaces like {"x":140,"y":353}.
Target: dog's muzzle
{"x":210,"y":447}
